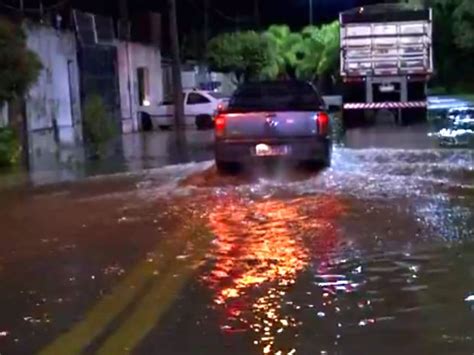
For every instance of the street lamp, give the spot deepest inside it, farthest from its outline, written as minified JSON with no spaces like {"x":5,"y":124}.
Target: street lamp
{"x":310,"y":12}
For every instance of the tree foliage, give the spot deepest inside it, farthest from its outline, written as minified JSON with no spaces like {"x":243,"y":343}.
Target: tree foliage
{"x":9,"y":147}
{"x":98,"y":126}
{"x":287,"y":50}
{"x":456,"y":14}
{"x":311,"y":54}
{"x":453,"y":40}
{"x":19,"y":67}
{"x":246,"y":54}
{"x":320,"y":47}
{"x":278,"y":53}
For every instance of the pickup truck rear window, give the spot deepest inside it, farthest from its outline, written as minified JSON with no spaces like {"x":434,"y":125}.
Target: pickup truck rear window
{"x":280,"y":96}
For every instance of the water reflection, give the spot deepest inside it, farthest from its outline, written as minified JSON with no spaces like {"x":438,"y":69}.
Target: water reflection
{"x":261,"y":248}
{"x":61,"y":155}
{"x":452,"y":122}
{"x":55,"y":156}
{"x":285,"y":274}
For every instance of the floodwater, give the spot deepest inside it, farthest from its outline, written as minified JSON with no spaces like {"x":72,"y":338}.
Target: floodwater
{"x":374,"y":255}
{"x":57,"y":157}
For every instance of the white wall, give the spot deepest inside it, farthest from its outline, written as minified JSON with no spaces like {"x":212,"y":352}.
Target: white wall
{"x":51,"y":98}
{"x":189,"y":80}
{"x":132,"y":56}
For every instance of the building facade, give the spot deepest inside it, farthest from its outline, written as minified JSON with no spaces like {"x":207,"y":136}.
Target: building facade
{"x":54,"y":100}
{"x":140,"y":80}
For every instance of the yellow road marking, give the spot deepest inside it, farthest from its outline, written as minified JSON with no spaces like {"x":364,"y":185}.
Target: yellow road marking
{"x":151,"y":309}
{"x":103,"y":313}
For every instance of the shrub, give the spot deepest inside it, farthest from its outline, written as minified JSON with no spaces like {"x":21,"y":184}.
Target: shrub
{"x":19,"y":67}
{"x":98,"y":126}
{"x":9,"y":147}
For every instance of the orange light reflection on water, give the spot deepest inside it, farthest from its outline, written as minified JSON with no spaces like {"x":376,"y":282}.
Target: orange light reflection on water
{"x":261,"y":248}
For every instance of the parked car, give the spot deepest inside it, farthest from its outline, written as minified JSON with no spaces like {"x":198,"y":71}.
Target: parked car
{"x":200,"y":108}
{"x":284,"y":120}
{"x":460,"y":113}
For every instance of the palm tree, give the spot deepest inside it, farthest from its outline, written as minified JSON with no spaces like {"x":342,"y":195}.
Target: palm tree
{"x":320,"y":53}
{"x":285,"y":47}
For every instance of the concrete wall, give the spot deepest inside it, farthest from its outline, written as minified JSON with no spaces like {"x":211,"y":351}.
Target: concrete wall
{"x":189,"y":79}
{"x":132,"y":56}
{"x":55,"y":96}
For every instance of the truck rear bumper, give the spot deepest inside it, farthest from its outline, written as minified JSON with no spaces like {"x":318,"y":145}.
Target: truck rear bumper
{"x":302,"y":149}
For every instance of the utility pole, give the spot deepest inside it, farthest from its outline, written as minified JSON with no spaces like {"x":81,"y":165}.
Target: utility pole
{"x":311,"y":12}
{"x":124,"y":16}
{"x":22,"y":6}
{"x":41,"y":11}
{"x":256,"y":12}
{"x":206,"y":22}
{"x":123,"y":8}
{"x":176,"y":68}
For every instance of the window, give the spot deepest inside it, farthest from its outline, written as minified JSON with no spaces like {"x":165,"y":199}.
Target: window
{"x":196,"y":99}
{"x":218,"y":95}
{"x":298,"y":96}
{"x":143,"y":85}
{"x":168,"y":101}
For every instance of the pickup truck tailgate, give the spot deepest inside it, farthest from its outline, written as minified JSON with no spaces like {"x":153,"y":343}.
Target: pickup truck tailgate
{"x":271,"y":124}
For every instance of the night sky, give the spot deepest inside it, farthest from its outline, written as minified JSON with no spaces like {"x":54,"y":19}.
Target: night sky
{"x":223,"y":14}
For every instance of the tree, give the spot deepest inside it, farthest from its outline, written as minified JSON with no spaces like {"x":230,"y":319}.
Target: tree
{"x":19,"y":67}
{"x":329,"y":59}
{"x":98,"y":125}
{"x":320,"y":48}
{"x":287,"y":50}
{"x":310,"y":55}
{"x":464,"y":24}
{"x":245,"y":54}
{"x":453,"y":40}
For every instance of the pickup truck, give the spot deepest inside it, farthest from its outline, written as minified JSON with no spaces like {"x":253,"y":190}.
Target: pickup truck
{"x":200,"y":108}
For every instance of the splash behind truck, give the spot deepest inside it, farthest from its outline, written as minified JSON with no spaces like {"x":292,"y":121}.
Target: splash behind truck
{"x":386,"y":62}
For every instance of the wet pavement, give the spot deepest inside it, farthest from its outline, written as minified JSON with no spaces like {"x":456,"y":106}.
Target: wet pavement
{"x":373,"y":255}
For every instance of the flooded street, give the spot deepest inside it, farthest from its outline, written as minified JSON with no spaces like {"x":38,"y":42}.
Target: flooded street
{"x":374,"y":255}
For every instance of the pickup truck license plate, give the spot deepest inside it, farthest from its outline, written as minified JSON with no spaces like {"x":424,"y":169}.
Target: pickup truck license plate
{"x":265,"y":150}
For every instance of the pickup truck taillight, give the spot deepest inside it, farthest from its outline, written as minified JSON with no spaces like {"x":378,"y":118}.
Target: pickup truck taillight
{"x":219,"y":125}
{"x":322,"y":121}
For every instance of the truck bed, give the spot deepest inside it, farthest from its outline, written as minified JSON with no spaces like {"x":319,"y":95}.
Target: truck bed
{"x":386,"y":40}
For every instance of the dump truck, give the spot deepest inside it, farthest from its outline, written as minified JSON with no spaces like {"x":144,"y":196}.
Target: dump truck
{"x":386,"y":63}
